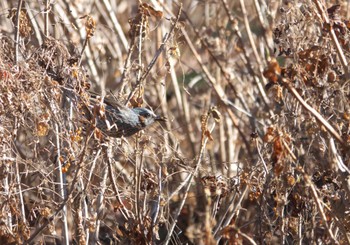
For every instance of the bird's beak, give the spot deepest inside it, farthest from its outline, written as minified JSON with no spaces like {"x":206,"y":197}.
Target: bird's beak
{"x":161,"y":119}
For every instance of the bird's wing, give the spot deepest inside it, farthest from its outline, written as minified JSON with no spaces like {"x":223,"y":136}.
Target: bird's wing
{"x":109,"y":99}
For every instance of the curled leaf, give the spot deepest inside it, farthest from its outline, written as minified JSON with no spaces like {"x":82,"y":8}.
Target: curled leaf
{"x":216,"y":114}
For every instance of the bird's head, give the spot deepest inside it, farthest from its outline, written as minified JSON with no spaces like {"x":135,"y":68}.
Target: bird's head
{"x":147,"y":117}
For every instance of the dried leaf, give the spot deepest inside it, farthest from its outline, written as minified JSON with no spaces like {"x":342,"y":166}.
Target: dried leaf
{"x":66,"y":166}
{"x":174,"y":51}
{"x":290,"y":180}
{"x":151,"y":11}
{"x":209,"y":135}
{"x":24,"y":22}
{"x":273,"y":71}
{"x":333,"y":12}
{"x":45,"y":212}
{"x":90,"y":26}
{"x":216,"y":114}
{"x":269,"y":135}
{"x":98,"y":134}
{"x":76,"y":136}
{"x":42,"y":129}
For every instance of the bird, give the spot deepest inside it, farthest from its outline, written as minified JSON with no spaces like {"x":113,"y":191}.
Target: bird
{"x":117,"y":120}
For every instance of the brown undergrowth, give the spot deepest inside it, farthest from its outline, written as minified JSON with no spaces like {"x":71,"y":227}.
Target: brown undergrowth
{"x":255,"y":149}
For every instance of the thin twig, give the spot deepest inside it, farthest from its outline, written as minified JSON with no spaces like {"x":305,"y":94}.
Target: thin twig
{"x":124,"y":211}
{"x":116,"y":25}
{"x":249,"y":66}
{"x":157,"y":54}
{"x":99,"y":204}
{"x":317,"y":115}
{"x":230,"y":216}
{"x":47,"y":11}
{"x":156,"y":204}
{"x":89,"y":59}
{"x":18,"y":18}
{"x":334,"y":37}
{"x":67,"y":198}
{"x":320,"y":208}
{"x":250,"y":35}
{"x":261,"y":157}
{"x":138,"y":176}
{"x":217,"y":88}
{"x":34,"y":23}
{"x":62,"y":182}
{"x":188,"y":185}
{"x":236,"y":230}
{"x":18,"y":178}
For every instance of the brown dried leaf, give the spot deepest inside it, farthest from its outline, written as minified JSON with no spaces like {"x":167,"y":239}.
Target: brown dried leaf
{"x":76,"y":136}
{"x":151,"y":11}
{"x":269,"y":135}
{"x":273,"y":71}
{"x":333,"y":12}
{"x":42,"y":129}
{"x":98,"y":134}
{"x":90,"y":26}
{"x":137,"y":99}
{"x":45,"y":212}
{"x":100,"y":110}
{"x":24,"y":22}
{"x":174,"y":51}
{"x":65,"y":168}
{"x":290,"y":180}
{"x":209,"y":135}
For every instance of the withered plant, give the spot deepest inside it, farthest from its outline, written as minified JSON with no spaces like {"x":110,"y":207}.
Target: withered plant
{"x":255,"y":149}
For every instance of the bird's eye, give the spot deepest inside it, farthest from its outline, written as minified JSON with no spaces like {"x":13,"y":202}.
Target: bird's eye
{"x":147,"y":114}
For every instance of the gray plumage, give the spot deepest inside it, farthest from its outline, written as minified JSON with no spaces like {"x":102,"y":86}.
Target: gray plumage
{"x":119,"y":120}
{"x":123,"y":121}
{"x":115,"y":120}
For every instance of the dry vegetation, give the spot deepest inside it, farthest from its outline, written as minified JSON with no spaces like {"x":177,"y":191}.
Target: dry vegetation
{"x":255,"y":149}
